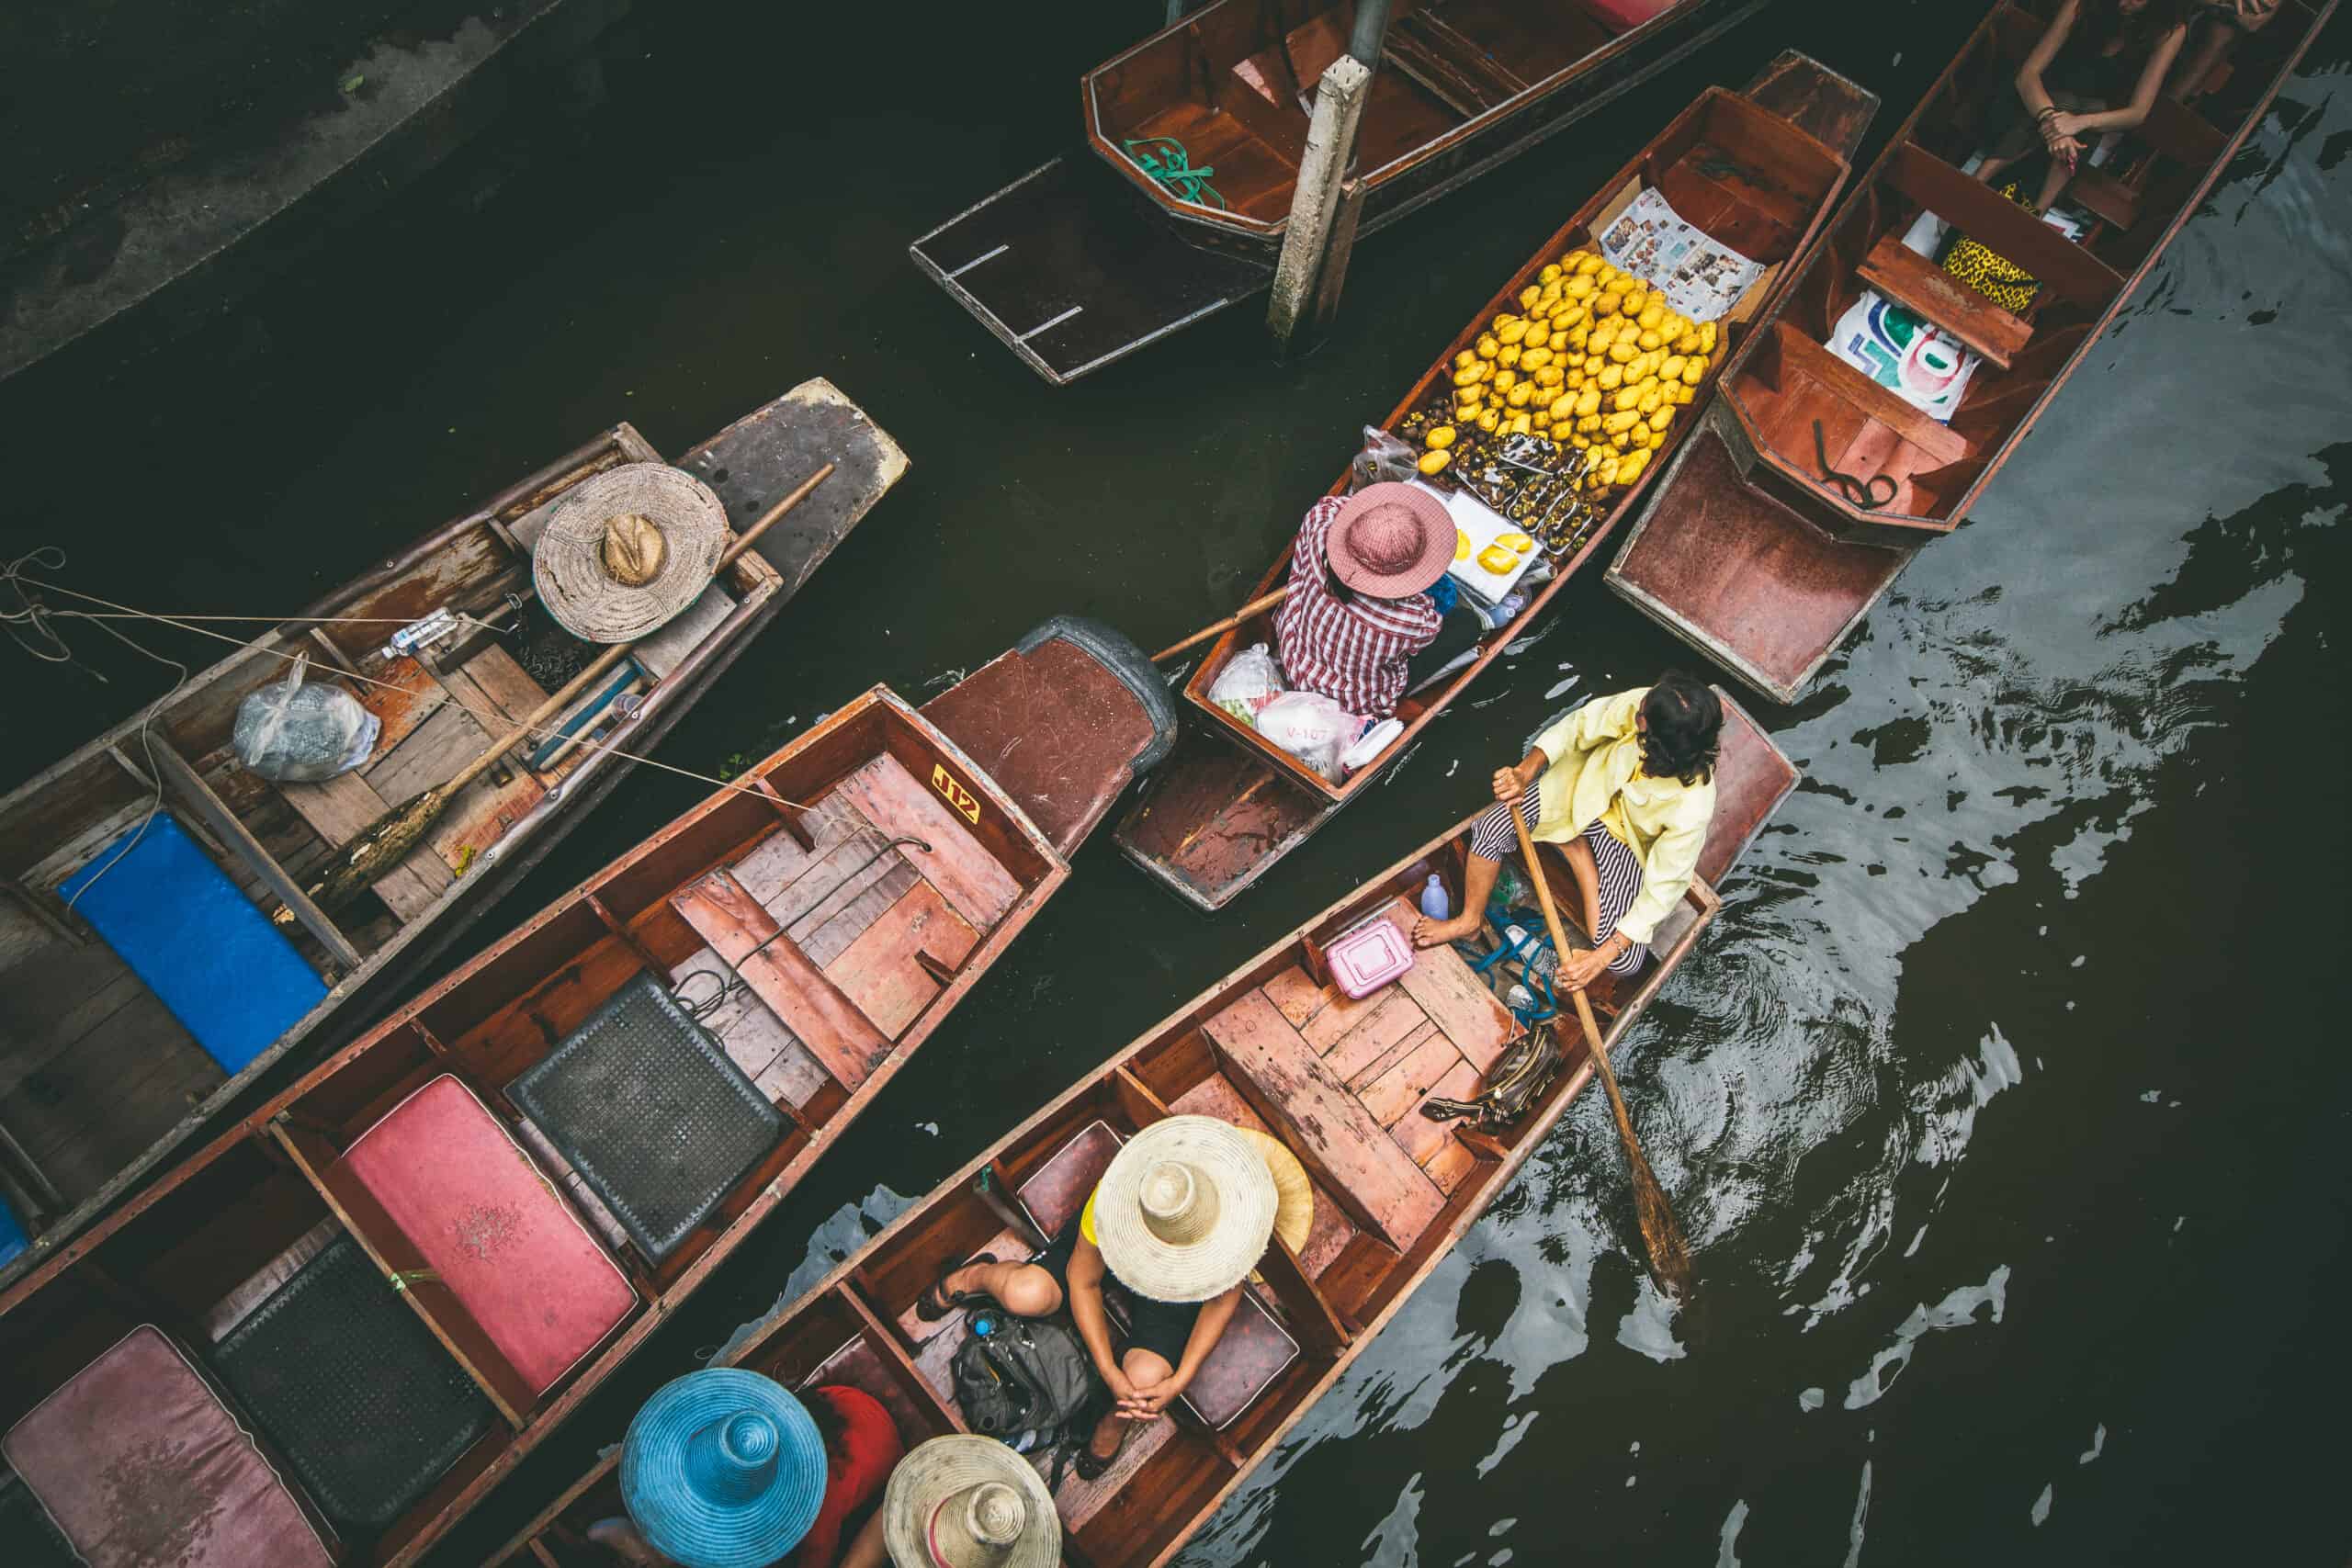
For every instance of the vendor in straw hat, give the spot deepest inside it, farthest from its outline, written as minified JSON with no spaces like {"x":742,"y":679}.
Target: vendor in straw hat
{"x":962,"y":1502}
{"x":1360,"y":625}
{"x":1180,"y":1219}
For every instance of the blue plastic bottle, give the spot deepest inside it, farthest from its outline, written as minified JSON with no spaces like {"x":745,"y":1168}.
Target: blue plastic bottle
{"x":1434,"y":902}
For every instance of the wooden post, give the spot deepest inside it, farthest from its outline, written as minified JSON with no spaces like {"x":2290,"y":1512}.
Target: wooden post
{"x":1303,"y":300}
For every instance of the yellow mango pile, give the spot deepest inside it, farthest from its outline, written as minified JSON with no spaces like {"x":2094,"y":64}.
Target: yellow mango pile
{"x":1596,"y":361}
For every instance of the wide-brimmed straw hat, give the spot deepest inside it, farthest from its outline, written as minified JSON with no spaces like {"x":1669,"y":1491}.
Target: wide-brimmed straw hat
{"x":722,"y":1469}
{"x":1185,"y":1209}
{"x":1294,"y":1194}
{"x":964,"y":1502}
{"x":1390,"y":540}
{"x":626,"y":549}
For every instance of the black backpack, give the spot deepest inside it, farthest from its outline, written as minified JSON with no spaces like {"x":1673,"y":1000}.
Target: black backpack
{"x":1029,"y":1375}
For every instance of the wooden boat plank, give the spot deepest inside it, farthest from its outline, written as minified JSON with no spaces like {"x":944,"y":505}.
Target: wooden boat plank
{"x":1327,"y":1126}
{"x":87,"y":1111}
{"x":840,"y":1036}
{"x":878,"y":971}
{"x":754,"y":1038}
{"x":1401,"y":1087}
{"x":1910,"y":279}
{"x":842,"y":916}
{"x":1458,"y":1003}
{"x":401,"y":693}
{"x":1419,"y":1137}
{"x":1341,"y":1014}
{"x":1828,"y":107}
{"x":484,"y":813}
{"x":765,"y":455}
{"x":340,"y":809}
{"x":1452,"y":1164}
{"x":431,"y":754}
{"x":1391,"y":1031}
{"x":1213,"y":819}
{"x":956,"y":863}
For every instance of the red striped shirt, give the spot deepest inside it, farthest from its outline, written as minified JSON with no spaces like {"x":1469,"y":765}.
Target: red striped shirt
{"x":1355,"y":652}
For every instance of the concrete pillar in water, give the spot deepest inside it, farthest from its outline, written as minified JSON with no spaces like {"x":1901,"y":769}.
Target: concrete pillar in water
{"x":1302,"y":304}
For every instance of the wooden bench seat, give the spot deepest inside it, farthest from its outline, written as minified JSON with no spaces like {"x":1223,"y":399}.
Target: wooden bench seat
{"x":820,"y":1015}
{"x":1866,"y":429}
{"x":1461,"y":74}
{"x":1918,"y":285}
{"x":2106,"y":197}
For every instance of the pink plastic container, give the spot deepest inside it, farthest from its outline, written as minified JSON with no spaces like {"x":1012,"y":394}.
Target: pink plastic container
{"x":1369,"y":957}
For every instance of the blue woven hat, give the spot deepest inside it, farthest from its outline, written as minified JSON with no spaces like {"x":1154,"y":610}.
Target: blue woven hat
{"x":722,"y":1469}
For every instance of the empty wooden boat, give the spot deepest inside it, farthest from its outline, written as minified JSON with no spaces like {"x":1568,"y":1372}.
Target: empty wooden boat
{"x":1753,"y":550}
{"x":1272,"y":1046}
{"x":1092,"y":257}
{"x":120,"y":1045}
{"x":1757,"y":170}
{"x":400,"y":1275}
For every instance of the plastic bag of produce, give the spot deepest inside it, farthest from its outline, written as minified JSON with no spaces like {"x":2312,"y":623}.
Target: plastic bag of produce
{"x":1247,"y":680}
{"x":1383,"y":460}
{"x":1923,"y":364}
{"x":295,"y":733}
{"x":1312,"y":728}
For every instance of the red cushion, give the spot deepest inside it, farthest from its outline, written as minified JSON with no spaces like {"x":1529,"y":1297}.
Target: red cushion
{"x":1621,"y":15}
{"x":139,"y":1462}
{"x":504,"y":1241}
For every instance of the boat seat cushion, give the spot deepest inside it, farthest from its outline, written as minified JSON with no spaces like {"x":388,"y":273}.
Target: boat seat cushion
{"x":1059,"y":1188}
{"x":1623,"y":16}
{"x":1249,"y":1354}
{"x":462,"y":1191}
{"x":139,"y":1462}
{"x":229,"y":976}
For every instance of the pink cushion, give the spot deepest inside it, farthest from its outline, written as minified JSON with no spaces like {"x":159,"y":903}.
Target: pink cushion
{"x":504,"y":1241}
{"x":1621,"y":15}
{"x":139,"y":1462}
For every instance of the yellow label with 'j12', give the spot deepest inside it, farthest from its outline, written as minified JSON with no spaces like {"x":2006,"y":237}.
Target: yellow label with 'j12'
{"x":962,"y":799}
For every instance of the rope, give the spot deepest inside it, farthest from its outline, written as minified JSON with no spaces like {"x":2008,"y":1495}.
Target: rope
{"x":1165,"y":159}
{"x":1861,"y":492}
{"x":734,"y":984}
{"x":37,"y":616}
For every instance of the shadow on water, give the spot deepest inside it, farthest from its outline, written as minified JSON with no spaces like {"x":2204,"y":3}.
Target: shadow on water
{"x":2000,"y":1106}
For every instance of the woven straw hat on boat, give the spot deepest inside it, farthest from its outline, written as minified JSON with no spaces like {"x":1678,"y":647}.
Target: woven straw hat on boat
{"x":593,"y":591}
{"x":1294,"y":1194}
{"x":722,"y":1469}
{"x":1185,"y":1210}
{"x":965,"y":1502}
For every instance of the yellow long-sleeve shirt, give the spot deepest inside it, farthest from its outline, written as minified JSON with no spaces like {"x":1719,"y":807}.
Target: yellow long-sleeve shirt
{"x":1596,"y":776}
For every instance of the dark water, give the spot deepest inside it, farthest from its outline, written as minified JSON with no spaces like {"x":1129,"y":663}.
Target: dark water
{"x":2006,"y":1105}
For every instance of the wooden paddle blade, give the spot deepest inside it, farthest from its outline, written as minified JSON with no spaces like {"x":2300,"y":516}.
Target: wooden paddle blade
{"x":384,"y":845}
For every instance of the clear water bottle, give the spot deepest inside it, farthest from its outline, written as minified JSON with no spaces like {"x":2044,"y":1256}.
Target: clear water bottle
{"x":1435,"y":903}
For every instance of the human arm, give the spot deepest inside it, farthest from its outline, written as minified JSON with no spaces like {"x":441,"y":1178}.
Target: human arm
{"x":2045,"y":50}
{"x":1207,"y":1330}
{"x":1595,"y":723}
{"x":2143,"y":95}
{"x":1666,"y":871}
{"x":1511,"y":783}
{"x":1085,"y":1276}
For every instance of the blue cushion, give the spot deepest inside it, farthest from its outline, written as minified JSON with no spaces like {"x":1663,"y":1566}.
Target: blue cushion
{"x":229,"y":976}
{"x":12,"y":1234}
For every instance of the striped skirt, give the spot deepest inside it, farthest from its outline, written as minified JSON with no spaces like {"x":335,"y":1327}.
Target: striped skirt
{"x":1493,"y":837}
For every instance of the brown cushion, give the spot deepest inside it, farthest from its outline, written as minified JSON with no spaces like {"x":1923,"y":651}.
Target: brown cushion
{"x":1059,"y":1188}
{"x":140,"y":1463}
{"x":1249,"y":1354}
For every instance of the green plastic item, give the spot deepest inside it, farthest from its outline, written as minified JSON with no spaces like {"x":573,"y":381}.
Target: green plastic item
{"x":1165,"y":159}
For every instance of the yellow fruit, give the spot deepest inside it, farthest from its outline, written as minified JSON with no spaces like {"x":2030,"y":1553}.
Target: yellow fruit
{"x":1602,"y":334}
{"x":1662,"y":417}
{"x":1611,"y":378}
{"x":1607,"y":304}
{"x":1641,"y":367}
{"x":1548,"y":377}
{"x":1615,"y":423}
{"x":1623,"y":440}
{"x":1687,"y":343}
{"x":1589,"y":424}
{"x":1506,"y":380}
{"x":1570,"y":317}
{"x":1651,"y":340}
{"x":1536,"y":358}
{"x":1580,"y":339}
{"x":1529,"y":295}
{"x":1509,"y":356}
{"x":1651,"y":315}
{"x":1646,"y":398}
{"x":1671,"y":370}
{"x":1517,"y":397}
{"x":1488,"y":347}
{"x":1637,"y":299}
{"x":1433,"y":461}
{"x":1557,"y":342}
{"x":1581,"y":288}
{"x":1511,"y":333}
{"x":1543,"y":423}
{"x":1617,"y":282}
{"x":1465,"y":360}
{"x":1587,"y":263}
{"x":1497,"y":560}
{"x":1518,"y":543}
{"x":1630,"y":468}
{"x":1622,"y":352}
{"x":1588,"y":401}
{"x":1549,"y":275}
{"x":1683,"y":392}
{"x":1625,"y":397}
{"x":1706,"y":337}
{"x":1488,"y":419}
{"x":1581,"y":442}
{"x":1563,"y":407}
{"x":1439,"y":437}
{"x":1694,"y":369}
{"x":1467,"y":375}
{"x":1576,"y":377}
{"x":1671,"y":326}
{"x":1470,"y":394}
{"x":1594,"y":362}
{"x":1519,"y":425}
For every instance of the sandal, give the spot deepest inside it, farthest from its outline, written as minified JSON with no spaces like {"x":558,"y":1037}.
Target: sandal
{"x":935,"y":1302}
{"x":1092,"y":1466}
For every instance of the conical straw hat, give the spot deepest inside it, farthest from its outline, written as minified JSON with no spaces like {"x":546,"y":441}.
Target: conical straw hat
{"x":589,"y":566}
{"x":1294,"y":1194}
{"x":1185,"y":1210}
{"x":966,"y":1502}
{"x":722,"y":1469}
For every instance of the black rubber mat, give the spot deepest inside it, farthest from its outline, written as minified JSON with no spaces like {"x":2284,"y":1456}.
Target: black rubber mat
{"x":33,"y":1540}
{"x":353,"y":1389}
{"x":547,"y":653}
{"x":651,"y":1112}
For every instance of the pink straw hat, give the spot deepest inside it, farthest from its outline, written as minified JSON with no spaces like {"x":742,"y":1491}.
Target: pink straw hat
{"x":1390,"y":540}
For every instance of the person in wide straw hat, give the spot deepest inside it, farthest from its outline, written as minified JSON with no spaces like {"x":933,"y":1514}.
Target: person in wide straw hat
{"x":626,"y":549}
{"x":1360,"y":624}
{"x":1181,"y":1217}
{"x":721,"y":1469}
{"x":961,"y":1502}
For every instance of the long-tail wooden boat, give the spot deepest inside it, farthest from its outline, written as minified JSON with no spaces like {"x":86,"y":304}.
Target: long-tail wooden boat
{"x":1272,"y":1046}
{"x":1089,"y":257}
{"x":119,"y":1045}
{"x":407,"y":1270}
{"x":1749,"y":550}
{"x":1757,"y":169}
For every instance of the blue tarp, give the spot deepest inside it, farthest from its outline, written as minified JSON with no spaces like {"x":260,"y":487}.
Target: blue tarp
{"x":228,"y":975}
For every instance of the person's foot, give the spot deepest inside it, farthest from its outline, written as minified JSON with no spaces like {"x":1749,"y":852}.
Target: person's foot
{"x":1427,"y":932}
{"x":1110,"y":1435}
{"x":954,"y":1289}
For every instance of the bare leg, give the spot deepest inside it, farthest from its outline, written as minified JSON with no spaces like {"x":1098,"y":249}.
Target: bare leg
{"x":2054,"y":182}
{"x":1992,"y":169}
{"x":1478,"y":884}
{"x":1024,"y":1290}
{"x":865,"y":1549}
{"x":1145,"y":1370}
{"x":1578,"y":855}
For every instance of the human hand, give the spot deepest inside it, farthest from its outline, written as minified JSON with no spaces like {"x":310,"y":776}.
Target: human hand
{"x":2255,"y":10}
{"x":1508,"y":785}
{"x":1117,"y":1380}
{"x":2060,"y":127}
{"x":1146,"y":1404}
{"x":1581,"y":968}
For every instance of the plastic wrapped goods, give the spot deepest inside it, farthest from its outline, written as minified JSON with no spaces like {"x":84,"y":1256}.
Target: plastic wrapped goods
{"x":299,"y":733}
{"x":1247,"y":680}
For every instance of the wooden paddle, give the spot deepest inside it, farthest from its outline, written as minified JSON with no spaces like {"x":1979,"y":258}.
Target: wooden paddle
{"x":1226,"y":625}
{"x":1661,"y":1233}
{"x":387,"y":840}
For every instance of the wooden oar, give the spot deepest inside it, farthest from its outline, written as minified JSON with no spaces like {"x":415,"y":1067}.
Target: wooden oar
{"x":391,"y":837}
{"x":1226,"y":625}
{"x":1661,"y":1233}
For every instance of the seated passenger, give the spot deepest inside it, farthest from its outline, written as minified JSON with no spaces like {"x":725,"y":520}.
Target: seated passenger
{"x":2220,"y":24}
{"x":2098,"y":67}
{"x":1179,"y":1218}
{"x":1627,"y":784}
{"x":1359,"y":626}
{"x":961,"y":1500}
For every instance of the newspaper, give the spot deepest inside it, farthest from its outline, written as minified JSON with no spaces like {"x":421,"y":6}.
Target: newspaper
{"x":1700,"y":277}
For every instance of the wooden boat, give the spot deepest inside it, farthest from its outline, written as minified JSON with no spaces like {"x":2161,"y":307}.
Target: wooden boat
{"x":1272,"y":1046}
{"x":1088,"y":258}
{"x":406,"y":1271}
{"x":1748,"y":551}
{"x":111,"y":1058}
{"x":1757,"y":169}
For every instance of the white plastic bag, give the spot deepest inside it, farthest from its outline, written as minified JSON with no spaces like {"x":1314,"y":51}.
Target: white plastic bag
{"x":1248,"y":678}
{"x":1312,"y":728}
{"x":295,"y":733}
